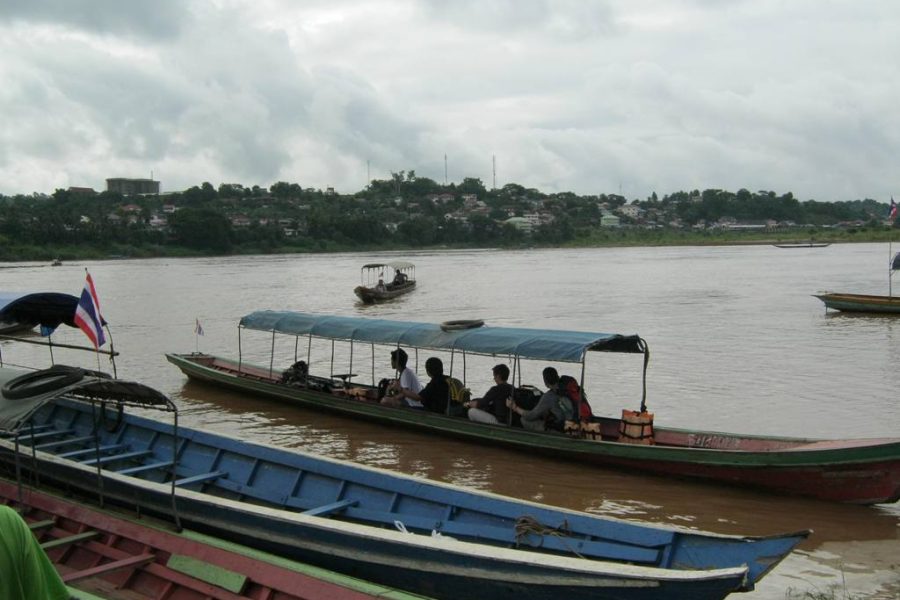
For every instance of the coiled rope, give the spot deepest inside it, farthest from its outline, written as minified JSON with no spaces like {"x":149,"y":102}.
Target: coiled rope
{"x":527,"y":525}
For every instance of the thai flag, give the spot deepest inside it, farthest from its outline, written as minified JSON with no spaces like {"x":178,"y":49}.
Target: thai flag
{"x":87,"y":314}
{"x":893,"y":212}
{"x":198,"y":328}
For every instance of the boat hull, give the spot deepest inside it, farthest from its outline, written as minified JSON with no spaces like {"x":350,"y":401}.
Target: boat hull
{"x":144,"y":554}
{"x":370,"y":295}
{"x":381,"y":525}
{"x":852,"y":471}
{"x":861,"y":303}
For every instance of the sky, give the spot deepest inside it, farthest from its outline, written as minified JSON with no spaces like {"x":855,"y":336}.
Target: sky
{"x":588,"y":96}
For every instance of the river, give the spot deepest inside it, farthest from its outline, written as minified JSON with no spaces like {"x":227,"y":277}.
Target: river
{"x":737,"y":343}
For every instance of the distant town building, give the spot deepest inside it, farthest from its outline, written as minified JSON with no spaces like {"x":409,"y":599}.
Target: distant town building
{"x":81,"y":191}
{"x":132,"y":187}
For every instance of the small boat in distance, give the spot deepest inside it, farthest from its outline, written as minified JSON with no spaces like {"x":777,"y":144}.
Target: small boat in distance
{"x":860,"y":303}
{"x":809,"y":244}
{"x":385,"y":281}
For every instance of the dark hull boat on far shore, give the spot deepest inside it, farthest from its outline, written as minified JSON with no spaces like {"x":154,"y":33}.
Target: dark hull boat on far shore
{"x":860,"y":471}
{"x":401,"y":531}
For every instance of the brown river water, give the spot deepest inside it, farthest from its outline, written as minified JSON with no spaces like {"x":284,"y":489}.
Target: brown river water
{"x":737,"y":343}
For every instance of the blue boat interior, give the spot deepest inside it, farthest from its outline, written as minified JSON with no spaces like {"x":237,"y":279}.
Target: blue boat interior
{"x":228,"y":468}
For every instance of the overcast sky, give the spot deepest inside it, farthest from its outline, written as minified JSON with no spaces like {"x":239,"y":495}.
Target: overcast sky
{"x":589,"y":96}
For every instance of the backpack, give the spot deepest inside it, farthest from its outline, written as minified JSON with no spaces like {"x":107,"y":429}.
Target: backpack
{"x":459,"y":393}
{"x":569,"y":388}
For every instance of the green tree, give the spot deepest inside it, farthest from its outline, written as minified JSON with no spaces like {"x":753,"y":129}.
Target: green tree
{"x":202,"y":229}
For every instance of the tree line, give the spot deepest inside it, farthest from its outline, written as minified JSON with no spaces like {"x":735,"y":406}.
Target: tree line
{"x":399,"y":212}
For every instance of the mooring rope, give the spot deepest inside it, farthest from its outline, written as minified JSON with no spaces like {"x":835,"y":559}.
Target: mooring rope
{"x":527,"y":525}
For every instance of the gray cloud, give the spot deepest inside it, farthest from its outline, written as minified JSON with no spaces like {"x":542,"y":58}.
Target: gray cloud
{"x":591,"y":97}
{"x":160,"y":19}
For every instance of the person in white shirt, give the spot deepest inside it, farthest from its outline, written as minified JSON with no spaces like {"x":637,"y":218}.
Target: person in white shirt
{"x":406,"y":381}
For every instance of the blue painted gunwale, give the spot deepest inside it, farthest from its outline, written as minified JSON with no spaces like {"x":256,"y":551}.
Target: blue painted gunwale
{"x":265,"y":474}
{"x":445,"y":566}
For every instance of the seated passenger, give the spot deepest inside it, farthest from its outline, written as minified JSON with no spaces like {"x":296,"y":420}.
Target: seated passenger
{"x":400,"y":390}
{"x":435,"y":395}
{"x":551,"y":412}
{"x":380,"y":285}
{"x":492,"y":407}
{"x":399,"y":278}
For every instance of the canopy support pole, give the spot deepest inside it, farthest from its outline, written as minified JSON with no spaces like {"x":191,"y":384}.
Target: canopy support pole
{"x":272,"y":355}
{"x":240,"y":354}
{"x":644,"y":375}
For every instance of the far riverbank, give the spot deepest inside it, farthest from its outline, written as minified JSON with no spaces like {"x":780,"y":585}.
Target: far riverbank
{"x":595,"y":239}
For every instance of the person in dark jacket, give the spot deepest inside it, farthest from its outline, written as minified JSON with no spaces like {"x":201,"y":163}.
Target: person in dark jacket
{"x":551,"y":412}
{"x":491,"y":408}
{"x":436,"y":393}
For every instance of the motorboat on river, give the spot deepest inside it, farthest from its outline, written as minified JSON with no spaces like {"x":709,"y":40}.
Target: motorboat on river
{"x":385,"y":281}
{"x":861,"y":471}
{"x":865,"y":303}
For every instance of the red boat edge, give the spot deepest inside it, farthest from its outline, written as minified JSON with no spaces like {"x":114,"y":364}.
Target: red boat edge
{"x":117,"y":557}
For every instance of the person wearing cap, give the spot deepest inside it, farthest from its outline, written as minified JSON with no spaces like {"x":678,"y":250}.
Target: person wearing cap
{"x":405,"y":389}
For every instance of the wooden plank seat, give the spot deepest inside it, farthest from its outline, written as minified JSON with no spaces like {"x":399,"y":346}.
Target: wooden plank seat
{"x":36,"y":525}
{"x":144,"y":468}
{"x":70,"y":539}
{"x":65,"y":442}
{"x":48,"y":433}
{"x":117,"y":457}
{"x":27,"y":432}
{"x":86,"y":451}
{"x":125,"y":563}
{"x":330,"y":509}
{"x":201,"y":478}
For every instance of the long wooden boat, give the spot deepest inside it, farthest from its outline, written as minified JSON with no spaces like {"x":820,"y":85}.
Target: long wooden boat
{"x":426,"y":537}
{"x":116,"y":557}
{"x":802,"y":245}
{"x":860,"y":303}
{"x":861,"y":471}
{"x":385,"y":281}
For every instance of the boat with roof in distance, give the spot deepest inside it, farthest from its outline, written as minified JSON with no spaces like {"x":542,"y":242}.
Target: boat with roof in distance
{"x":861,"y":471}
{"x":865,"y":303}
{"x":385,"y":281}
{"x":83,"y":431}
{"x":109,"y":554}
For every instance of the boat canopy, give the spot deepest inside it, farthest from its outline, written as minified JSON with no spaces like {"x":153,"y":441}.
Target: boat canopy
{"x":48,"y":309}
{"x":397,"y":265}
{"x":15,"y":412}
{"x":537,"y":344}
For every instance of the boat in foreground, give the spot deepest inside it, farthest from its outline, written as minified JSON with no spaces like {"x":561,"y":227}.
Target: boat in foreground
{"x":406,"y":532}
{"x":861,"y":471}
{"x":860,"y":303}
{"x":115,"y":557}
{"x":385,"y":281}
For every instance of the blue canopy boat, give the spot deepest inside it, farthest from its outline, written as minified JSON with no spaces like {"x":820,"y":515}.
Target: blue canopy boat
{"x":861,"y":471}
{"x":406,"y":532}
